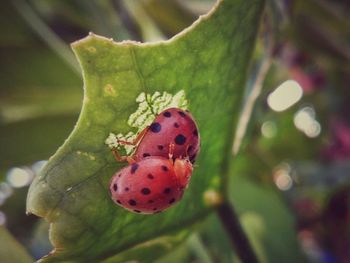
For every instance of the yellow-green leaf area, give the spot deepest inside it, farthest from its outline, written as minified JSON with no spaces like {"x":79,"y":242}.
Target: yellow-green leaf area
{"x":209,"y":62}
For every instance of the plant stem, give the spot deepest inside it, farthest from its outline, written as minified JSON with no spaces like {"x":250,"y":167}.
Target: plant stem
{"x":239,"y":240}
{"x":255,"y":89}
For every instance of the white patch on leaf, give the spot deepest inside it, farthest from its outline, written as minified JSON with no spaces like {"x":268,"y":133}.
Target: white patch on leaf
{"x":111,"y":141}
{"x":149,"y":107}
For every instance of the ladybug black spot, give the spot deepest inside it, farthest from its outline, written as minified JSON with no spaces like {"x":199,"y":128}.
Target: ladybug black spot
{"x":180,"y":139}
{"x":146,"y":155}
{"x":195,"y":133}
{"x":160,"y":147}
{"x":167,"y":114}
{"x":150,"y":201}
{"x":176,"y":125}
{"x":115,"y":187}
{"x":154,"y":209}
{"x":118,"y":201}
{"x":155,"y":127}
{"x":132,"y":202}
{"x":150,"y":176}
{"x":137,"y":211}
{"x":145,"y":191}
{"x":167,"y":190}
{"x":172,"y":200}
{"x":134,"y":167}
{"x":182,"y":114}
{"x":164,"y":168}
{"x":126,"y":189}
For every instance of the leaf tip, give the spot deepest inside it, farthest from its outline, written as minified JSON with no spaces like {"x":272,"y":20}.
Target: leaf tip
{"x":40,"y":199}
{"x":90,"y":37}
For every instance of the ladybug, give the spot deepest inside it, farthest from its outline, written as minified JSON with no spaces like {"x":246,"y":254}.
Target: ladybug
{"x":151,"y":185}
{"x":171,"y":126}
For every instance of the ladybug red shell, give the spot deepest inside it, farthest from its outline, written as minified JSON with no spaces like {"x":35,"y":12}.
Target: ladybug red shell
{"x":151,"y":185}
{"x":171,"y":126}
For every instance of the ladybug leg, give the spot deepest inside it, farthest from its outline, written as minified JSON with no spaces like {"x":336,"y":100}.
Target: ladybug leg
{"x":171,"y":150}
{"x":130,"y":160}
{"x":120,"y":158}
{"x":136,"y":140}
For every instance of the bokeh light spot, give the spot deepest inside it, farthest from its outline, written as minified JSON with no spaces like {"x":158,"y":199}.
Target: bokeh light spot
{"x":269,"y":129}
{"x":282,"y":178}
{"x":285,"y":95}
{"x":19,"y":177}
{"x":305,"y":121}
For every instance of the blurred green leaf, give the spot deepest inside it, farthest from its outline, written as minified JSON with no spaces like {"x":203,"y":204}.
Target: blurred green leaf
{"x":10,"y":250}
{"x":180,"y":254}
{"x":170,"y":16}
{"x":41,"y":90}
{"x":32,"y":140}
{"x":216,"y":240}
{"x":209,"y":62}
{"x":14,"y":32}
{"x":151,"y":250}
{"x":266,"y":220}
{"x":42,"y":68}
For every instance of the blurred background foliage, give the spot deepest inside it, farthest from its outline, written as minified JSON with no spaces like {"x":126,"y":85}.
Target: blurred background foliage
{"x":290,"y":180}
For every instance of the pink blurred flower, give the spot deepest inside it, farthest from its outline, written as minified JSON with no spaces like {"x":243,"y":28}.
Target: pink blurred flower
{"x":339,"y":147}
{"x":301,"y":68}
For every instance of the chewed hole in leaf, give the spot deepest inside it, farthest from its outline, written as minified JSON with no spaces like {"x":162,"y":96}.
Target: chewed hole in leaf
{"x":149,"y":107}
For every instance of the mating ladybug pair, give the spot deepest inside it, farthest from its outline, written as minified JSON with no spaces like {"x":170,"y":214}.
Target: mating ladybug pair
{"x":160,"y":168}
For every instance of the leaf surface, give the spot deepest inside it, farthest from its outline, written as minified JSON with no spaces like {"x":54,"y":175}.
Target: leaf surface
{"x":209,"y":62}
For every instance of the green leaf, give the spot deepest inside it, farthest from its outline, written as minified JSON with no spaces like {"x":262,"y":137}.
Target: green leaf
{"x":11,"y":250}
{"x":209,"y":62}
{"x":151,"y":250}
{"x":266,"y":220}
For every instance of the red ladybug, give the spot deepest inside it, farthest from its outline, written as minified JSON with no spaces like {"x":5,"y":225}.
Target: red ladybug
{"x":171,"y":126}
{"x":151,"y":185}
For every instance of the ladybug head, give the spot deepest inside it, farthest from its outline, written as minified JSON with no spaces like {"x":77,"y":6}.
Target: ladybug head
{"x":183,"y":170}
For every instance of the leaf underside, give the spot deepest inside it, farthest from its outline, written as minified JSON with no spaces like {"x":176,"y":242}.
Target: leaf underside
{"x":208,"y":61}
